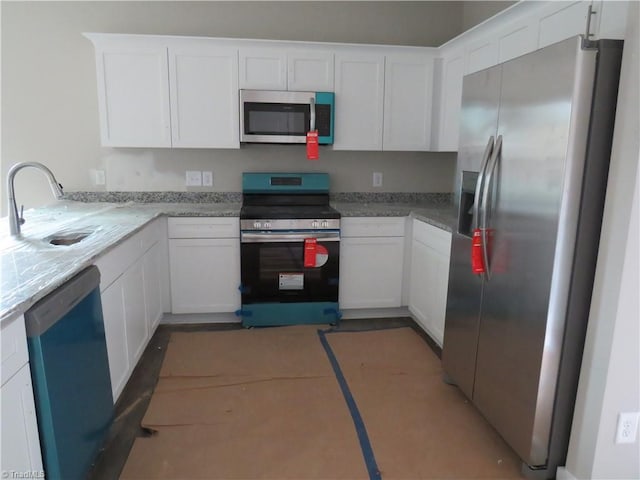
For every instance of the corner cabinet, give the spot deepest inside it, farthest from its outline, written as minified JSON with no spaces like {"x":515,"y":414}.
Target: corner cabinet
{"x":430,"y":255}
{"x":204,"y":259}
{"x":156,"y":91}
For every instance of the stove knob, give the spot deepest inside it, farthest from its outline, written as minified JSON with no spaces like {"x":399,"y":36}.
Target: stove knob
{"x":315,"y":224}
{"x":257,"y":225}
{"x":325,"y":224}
{"x":267,"y":225}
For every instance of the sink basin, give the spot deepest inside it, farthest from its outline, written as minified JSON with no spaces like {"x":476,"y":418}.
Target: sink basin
{"x":67,"y":238}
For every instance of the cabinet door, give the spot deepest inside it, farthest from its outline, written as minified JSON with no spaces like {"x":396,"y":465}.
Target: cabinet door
{"x":516,"y":39}
{"x":310,"y":70}
{"x":481,"y":54}
{"x":429,"y":279}
{"x":133,"y":96}
{"x":450,"y":101}
{"x":135,"y":311}
{"x":20,"y":442}
{"x":359,"y":88}
{"x":116,"y":336}
{"x":561,"y":20}
{"x":263,"y":69}
{"x":152,"y":287}
{"x":371,"y":272}
{"x":420,"y":278}
{"x":204,"y":96}
{"x":408,"y":94}
{"x":205,"y":275}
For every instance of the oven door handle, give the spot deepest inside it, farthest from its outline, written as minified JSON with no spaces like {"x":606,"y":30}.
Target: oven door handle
{"x":266,"y":237}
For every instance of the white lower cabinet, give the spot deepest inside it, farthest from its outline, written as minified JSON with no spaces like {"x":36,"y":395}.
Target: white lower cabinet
{"x":20,"y":445}
{"x":151,"y":270}
{"x":113,"y":311}
{"x":137,"y":331}
{"x":204,"y":260}
{"x":371,"y":261}
{"x":131,"y":295}
{"x":429,"y":277}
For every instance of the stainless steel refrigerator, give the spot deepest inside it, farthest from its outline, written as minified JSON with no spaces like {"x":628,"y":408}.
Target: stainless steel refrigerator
{"x":535,"y":142}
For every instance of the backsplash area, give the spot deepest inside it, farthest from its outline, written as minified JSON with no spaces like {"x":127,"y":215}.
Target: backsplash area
{"x":236,"y":197}
{"x":148,"y":170}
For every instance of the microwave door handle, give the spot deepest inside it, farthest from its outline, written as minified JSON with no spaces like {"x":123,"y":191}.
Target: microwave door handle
{"x":312,"y":116}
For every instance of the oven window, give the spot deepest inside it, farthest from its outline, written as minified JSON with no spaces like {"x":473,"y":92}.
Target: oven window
{"x":276,"y":118}
{"x":275,"y":272}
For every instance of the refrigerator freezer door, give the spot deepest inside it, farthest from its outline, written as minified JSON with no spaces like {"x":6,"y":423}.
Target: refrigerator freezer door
{"x":542,"y":121}
{"x":480,"y":96}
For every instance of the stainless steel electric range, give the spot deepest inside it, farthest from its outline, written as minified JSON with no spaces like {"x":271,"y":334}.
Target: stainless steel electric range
{"x":290,"y":250}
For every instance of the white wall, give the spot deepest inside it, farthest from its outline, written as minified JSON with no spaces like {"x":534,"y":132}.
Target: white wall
{"x":476,"y":11}
{"x":49,"y":97}
{"x":610,"y":378}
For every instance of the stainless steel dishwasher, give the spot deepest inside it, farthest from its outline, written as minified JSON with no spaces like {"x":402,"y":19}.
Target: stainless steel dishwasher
{"x":70,"y":373}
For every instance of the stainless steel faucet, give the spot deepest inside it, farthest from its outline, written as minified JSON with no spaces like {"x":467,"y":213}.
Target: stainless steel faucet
{"x":16,"y":220}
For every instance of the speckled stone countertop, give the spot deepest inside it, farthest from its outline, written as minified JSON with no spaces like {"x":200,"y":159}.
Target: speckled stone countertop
{"x":439,"y":215}
{"x":31,"y":268}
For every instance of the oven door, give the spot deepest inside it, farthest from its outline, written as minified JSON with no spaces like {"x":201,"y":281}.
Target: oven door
{"x":273,"y":267}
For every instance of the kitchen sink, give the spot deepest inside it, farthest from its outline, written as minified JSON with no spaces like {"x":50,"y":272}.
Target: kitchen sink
{"x":67,"y":238}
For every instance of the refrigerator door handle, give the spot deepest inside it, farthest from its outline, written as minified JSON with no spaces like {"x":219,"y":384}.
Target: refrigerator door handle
{"x":478,"y":193}
{"x":497,"y":150}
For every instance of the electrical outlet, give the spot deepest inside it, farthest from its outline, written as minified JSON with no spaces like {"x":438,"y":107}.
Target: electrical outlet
{"x":207,"y":179}
{"x":193,"y":178}
{"x":100,"y":177}
{"x":627,"y":427}
{"x":377,"y":179}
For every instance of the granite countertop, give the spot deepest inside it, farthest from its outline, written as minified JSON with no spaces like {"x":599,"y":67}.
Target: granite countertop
{"x":31,"y":268}
{"x":437,"y":214}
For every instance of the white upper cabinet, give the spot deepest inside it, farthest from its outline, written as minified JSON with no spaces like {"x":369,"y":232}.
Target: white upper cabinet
{"x":481,"y":54}
{"x":518,"y":30}
{"x":562,"y":20}
{"x":292,"y":69}
{"x":263,"y":68}
{"x":133,"y":95}
{"x":516,"y":39}
{"x":204,"y":96}
{"x":408,"y":93}
{"x":447,"y":103}
{"x":310,"y":70}
{"x":359,"y":89}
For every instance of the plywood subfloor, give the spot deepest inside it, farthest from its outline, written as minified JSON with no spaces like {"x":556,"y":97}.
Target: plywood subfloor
{"x":265,"y":404}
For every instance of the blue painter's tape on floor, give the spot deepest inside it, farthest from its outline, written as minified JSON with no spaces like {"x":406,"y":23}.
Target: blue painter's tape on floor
{"x":363,"y":437}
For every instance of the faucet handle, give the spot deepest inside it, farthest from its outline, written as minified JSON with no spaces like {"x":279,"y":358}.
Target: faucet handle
{"x":21,"y":217}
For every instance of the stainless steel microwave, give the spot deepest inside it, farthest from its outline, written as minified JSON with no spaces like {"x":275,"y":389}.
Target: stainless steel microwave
{"x":270,"y":116}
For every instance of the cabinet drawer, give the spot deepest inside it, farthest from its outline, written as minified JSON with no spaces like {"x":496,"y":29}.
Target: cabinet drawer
{"x":434,"y":237}
{"x":14,"y":347}
{"x":204,"y":227}
{"x":372,"y":227}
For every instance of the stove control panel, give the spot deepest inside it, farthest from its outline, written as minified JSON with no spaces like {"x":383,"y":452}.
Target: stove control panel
{"x":290,"y":224}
